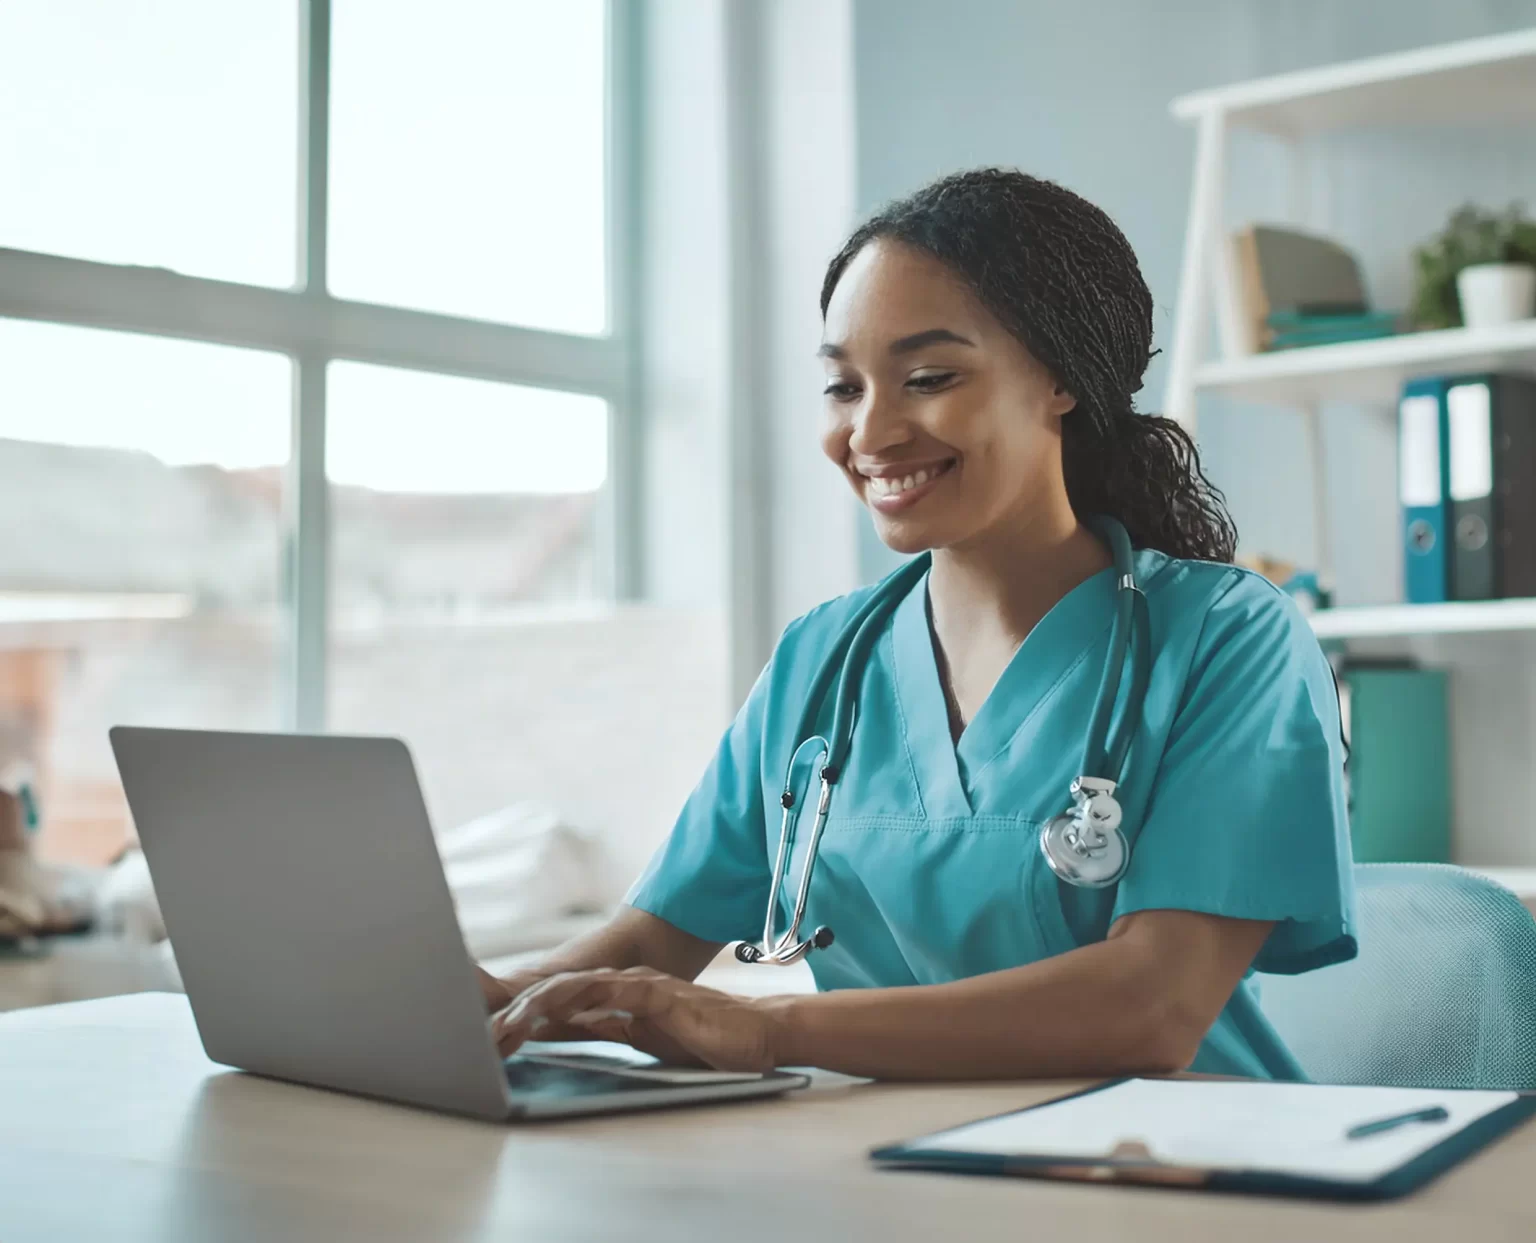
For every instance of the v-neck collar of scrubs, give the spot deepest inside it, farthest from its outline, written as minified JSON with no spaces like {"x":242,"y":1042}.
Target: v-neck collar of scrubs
{"x":947,"y":770}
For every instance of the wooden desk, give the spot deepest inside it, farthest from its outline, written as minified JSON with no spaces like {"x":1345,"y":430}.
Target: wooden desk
{"x":113,"y":1126}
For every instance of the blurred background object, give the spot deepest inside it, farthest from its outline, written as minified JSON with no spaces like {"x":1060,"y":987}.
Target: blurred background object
{"x":1396,"y":724}
{"x":1481,"y":252}
{"x":1300,"y":290}
{"x":1301,"y":585}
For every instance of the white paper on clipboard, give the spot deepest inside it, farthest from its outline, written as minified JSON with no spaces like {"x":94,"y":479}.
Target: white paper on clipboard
{"x":1277,"y":1128}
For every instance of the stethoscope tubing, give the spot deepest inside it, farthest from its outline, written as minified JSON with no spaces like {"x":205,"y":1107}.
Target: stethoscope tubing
{"x":1103,"y":758}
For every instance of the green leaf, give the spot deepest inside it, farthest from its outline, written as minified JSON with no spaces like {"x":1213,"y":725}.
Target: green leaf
{"x":1472,"y":235}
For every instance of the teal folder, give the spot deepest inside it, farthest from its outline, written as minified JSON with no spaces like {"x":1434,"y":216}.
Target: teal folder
{"x":1423,"y":476}
{"x":1398,"y":728}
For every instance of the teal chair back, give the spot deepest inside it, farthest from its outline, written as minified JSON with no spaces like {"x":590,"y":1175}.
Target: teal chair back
{"x":1442,"y":995}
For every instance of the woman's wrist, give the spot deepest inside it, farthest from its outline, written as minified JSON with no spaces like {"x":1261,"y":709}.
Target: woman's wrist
{"x":787,"y":1041}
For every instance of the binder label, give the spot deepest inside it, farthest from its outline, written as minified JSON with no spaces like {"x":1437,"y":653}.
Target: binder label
{"x":1419,"y":451}
{"x":1470,"y":410}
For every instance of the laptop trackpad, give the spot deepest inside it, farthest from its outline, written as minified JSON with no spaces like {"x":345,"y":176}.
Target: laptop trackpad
{"x":578,"y":1077}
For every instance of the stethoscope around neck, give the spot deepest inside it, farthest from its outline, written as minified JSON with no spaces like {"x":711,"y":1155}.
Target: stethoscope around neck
{"x":1085,"y":845}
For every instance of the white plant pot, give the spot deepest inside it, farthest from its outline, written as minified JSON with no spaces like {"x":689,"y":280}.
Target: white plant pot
{"x":1496,"y":293}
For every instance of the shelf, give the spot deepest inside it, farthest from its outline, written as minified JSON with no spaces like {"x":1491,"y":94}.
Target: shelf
{"x":1369,"y":371}
{"x":1386,"y":621}
{"x":1492,"y":79}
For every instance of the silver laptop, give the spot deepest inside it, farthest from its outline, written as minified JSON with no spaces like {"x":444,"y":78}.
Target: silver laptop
{"x":316,"y":938}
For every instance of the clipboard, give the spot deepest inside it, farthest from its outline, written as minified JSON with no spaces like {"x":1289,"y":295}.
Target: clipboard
{"x":1172,"y":1113}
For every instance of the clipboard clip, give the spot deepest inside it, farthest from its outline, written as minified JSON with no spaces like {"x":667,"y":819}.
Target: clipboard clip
{"x":1130,"y":1161}
{"x":1132,"y":1151}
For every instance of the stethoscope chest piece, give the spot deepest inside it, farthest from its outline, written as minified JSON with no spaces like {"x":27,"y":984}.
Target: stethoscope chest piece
{"x":1084,"y":845}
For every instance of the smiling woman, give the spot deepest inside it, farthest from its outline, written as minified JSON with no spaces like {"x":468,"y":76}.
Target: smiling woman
{"x":983,"y":342}
{"x":887,"y":487}
{"x":1023,"y":310}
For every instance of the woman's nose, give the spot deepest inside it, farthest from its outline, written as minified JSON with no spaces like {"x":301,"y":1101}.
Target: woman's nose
{"x":877,"y":426}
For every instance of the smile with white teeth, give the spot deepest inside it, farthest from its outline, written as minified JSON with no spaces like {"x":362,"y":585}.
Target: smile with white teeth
{"x":891,"y":485}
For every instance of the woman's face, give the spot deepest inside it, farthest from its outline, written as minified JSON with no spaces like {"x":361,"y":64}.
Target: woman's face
{"x":946,"y":427}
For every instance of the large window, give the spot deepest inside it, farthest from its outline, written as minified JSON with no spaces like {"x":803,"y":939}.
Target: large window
{"x":298,"y":402}
{"x":456,"y":500}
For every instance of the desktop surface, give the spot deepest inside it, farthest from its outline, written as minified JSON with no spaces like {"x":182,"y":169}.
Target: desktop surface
{"x":116,"y":1127}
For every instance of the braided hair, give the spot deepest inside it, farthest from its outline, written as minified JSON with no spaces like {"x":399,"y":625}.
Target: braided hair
{"x":1058,"y":274}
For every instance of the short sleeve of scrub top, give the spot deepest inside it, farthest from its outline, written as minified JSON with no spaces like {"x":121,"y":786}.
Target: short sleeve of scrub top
{"x":1247,"y":818}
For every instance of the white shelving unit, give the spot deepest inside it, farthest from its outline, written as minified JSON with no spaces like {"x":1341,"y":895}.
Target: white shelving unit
{"x":1490,"y":82}
{"x":1489,"y":79}
{"x":1367,"y":371}
{"x":1406,"y":620}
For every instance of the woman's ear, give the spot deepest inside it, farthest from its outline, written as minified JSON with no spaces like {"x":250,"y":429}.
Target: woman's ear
{"x":1062,"y":402}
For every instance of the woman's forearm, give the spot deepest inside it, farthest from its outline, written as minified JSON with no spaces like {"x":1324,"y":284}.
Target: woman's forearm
{"x":1137,"y":1004}
{"x":1079,"y":1014}
{"x":634,"y":938}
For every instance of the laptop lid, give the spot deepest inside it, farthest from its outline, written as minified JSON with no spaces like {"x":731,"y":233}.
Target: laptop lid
{"x":303,"y":893}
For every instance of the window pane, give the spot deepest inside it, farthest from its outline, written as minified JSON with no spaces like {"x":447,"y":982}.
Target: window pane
{"x":464,"y":524}
{"x":467,"y":158}
{"x":161,"y":132}
{"x":140,"y":479}
{"x":455,"y":498}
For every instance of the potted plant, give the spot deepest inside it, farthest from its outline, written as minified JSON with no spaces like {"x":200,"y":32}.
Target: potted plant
{"x":1480,"y":270}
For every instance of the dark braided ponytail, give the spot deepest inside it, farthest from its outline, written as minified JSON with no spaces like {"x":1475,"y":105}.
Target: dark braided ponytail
{"x":1058,"y":274}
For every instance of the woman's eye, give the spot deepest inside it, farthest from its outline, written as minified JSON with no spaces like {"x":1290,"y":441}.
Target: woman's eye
{"x":930,"y":381}
{"x":841,"y":390}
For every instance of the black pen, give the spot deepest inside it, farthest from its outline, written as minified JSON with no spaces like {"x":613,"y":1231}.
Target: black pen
{"x":1435,"y":1113}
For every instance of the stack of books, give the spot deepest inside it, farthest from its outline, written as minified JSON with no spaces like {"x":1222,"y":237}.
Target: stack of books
{"x":1298,"y":290}
{"x":1295,"y":329}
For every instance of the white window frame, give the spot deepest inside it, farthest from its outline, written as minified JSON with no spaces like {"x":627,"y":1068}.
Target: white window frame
{"x":313,"y":328}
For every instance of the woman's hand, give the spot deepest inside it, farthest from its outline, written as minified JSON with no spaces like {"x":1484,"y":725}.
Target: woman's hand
{"x":501,"y":991}
{"x":675,"y":1021}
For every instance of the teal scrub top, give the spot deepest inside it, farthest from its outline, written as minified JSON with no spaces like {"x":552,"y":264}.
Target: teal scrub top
{"x":930,"y":867}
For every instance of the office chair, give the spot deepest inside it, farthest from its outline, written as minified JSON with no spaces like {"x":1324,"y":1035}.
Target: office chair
{"x":1443,"y":993}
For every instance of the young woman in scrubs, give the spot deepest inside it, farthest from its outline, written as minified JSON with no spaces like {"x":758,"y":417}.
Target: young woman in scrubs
{"x":983,"y":340}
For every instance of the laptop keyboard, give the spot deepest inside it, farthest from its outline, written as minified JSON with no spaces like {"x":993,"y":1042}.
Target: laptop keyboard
{"x":524,"y":1076}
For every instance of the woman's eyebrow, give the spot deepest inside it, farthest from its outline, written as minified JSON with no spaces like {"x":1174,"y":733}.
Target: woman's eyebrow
{"x":930,"y":336}
{"x":904,"y":345}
